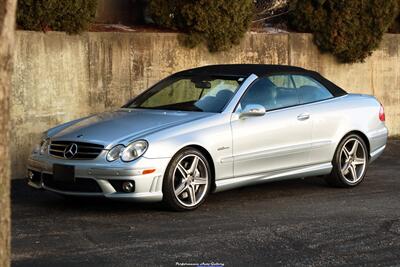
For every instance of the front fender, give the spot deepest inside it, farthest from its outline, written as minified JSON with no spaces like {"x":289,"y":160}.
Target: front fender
{"x":212,"y":134}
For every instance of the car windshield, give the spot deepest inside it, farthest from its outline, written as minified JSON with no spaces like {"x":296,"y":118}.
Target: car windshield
{"x":203,"y":94}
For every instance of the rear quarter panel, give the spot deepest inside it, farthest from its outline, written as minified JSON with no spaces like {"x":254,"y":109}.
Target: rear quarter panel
{"x":333,"y":119}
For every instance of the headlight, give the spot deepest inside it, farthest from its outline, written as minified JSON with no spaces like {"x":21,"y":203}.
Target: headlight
{"x":134,"y":150}
{"x":44,"y":146}
{"x":115,"y":153}
{"x":131,"y":152}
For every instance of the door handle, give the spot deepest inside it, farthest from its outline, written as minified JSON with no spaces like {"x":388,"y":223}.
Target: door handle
{"x":303,"y":117}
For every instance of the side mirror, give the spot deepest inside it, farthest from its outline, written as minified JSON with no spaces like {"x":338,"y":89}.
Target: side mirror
{"x":252,"y":110}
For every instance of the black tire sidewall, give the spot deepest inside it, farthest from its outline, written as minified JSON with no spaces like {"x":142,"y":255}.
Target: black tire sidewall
{"x":169,"y":197}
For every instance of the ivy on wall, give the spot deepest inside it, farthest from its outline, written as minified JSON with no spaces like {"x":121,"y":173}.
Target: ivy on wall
{"x":395,"y":27}
{"x":219,"y":24}
{"x":350,"y":30}
{"x":72,"y":16}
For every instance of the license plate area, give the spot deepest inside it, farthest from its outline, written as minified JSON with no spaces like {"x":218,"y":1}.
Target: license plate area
{"x":64,"y":173}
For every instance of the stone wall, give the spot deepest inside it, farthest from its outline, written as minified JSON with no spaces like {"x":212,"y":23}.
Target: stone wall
{"x":60,"y":77}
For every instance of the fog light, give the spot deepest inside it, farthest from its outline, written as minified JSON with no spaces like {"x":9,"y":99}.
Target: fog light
{"x":31,"y":175}
{"x":127,"y":187}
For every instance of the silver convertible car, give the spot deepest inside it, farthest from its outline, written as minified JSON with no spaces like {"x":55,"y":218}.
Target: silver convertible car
{"x":210,"y":129}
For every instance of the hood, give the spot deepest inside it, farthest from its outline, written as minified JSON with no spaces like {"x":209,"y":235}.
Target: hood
{"x":124,"y":125}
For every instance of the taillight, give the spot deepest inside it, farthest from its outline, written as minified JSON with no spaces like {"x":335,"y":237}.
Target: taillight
{"x":382,"y":114}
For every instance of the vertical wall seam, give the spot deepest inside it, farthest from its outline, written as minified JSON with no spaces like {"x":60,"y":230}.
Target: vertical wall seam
{"x":88,"y":53}
{"x":289,"y":48}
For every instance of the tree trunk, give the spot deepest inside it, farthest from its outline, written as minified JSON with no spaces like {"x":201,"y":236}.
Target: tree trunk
{"x":7,"y":32}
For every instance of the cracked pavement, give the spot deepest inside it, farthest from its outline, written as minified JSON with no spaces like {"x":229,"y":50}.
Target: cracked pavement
{"x":300,"y":222}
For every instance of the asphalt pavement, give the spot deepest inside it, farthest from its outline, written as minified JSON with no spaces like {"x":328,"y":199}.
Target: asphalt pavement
{"x":300,"y":222}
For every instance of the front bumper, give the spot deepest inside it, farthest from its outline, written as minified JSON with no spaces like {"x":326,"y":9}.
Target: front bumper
{"x":148,"y":187}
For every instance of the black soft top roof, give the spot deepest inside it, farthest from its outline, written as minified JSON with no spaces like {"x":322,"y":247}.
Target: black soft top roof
{"x":245,"y":70}
{"x":241,"y":69}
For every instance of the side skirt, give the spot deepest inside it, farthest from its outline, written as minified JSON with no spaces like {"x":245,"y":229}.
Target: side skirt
{"x":300,"y":172}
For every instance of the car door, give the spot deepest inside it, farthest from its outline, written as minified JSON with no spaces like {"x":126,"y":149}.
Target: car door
{"x":326,"y":116}
{"x":278,"y":140}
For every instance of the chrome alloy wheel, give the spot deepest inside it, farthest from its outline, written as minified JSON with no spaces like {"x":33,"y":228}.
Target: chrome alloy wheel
{"x":353,"y":160}
{"x":190,"y":180}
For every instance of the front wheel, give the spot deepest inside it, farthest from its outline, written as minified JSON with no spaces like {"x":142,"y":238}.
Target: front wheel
{"x":187,"y":180}
{"x":350,"y":162}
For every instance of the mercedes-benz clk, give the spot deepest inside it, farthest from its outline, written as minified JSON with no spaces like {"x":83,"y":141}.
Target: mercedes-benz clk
{"x":210,"y":129}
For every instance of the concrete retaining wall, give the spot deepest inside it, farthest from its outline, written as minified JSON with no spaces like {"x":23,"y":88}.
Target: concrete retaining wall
{"x":60,"y":77}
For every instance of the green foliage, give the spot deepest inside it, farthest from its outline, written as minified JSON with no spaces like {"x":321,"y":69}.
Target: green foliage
{"x":72,"y":16}
{"x":220,"y":24}
{"x":350,"y":30}
{"x":395,"y":27}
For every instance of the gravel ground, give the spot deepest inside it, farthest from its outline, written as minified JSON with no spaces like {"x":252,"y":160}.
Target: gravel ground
{"x":290,"y":223}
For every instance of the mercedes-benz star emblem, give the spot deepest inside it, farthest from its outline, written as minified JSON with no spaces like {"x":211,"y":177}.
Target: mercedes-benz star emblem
{"x":70,"y":151}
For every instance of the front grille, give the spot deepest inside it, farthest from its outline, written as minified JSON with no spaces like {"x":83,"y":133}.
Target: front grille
{"x":85,"y":151}
{"x":80,"y":185}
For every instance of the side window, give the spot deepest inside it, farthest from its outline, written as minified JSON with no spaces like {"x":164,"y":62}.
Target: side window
{"x":310,"y":90}
{"x":282,"y":81}
{"x":272,"y":92}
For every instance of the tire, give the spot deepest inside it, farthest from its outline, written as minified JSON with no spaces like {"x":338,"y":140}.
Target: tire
{"x":350,"y":162}
{"x":186,"y":186}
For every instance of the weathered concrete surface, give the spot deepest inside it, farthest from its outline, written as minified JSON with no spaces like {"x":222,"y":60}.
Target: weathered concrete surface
{"x":50,"y":85}
{"x":60,"y":77}
{"x":290,"y":223}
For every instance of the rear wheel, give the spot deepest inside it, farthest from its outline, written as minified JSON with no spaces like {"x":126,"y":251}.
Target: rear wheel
{"x":187,"y":180}
{"x":350,"y":162}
